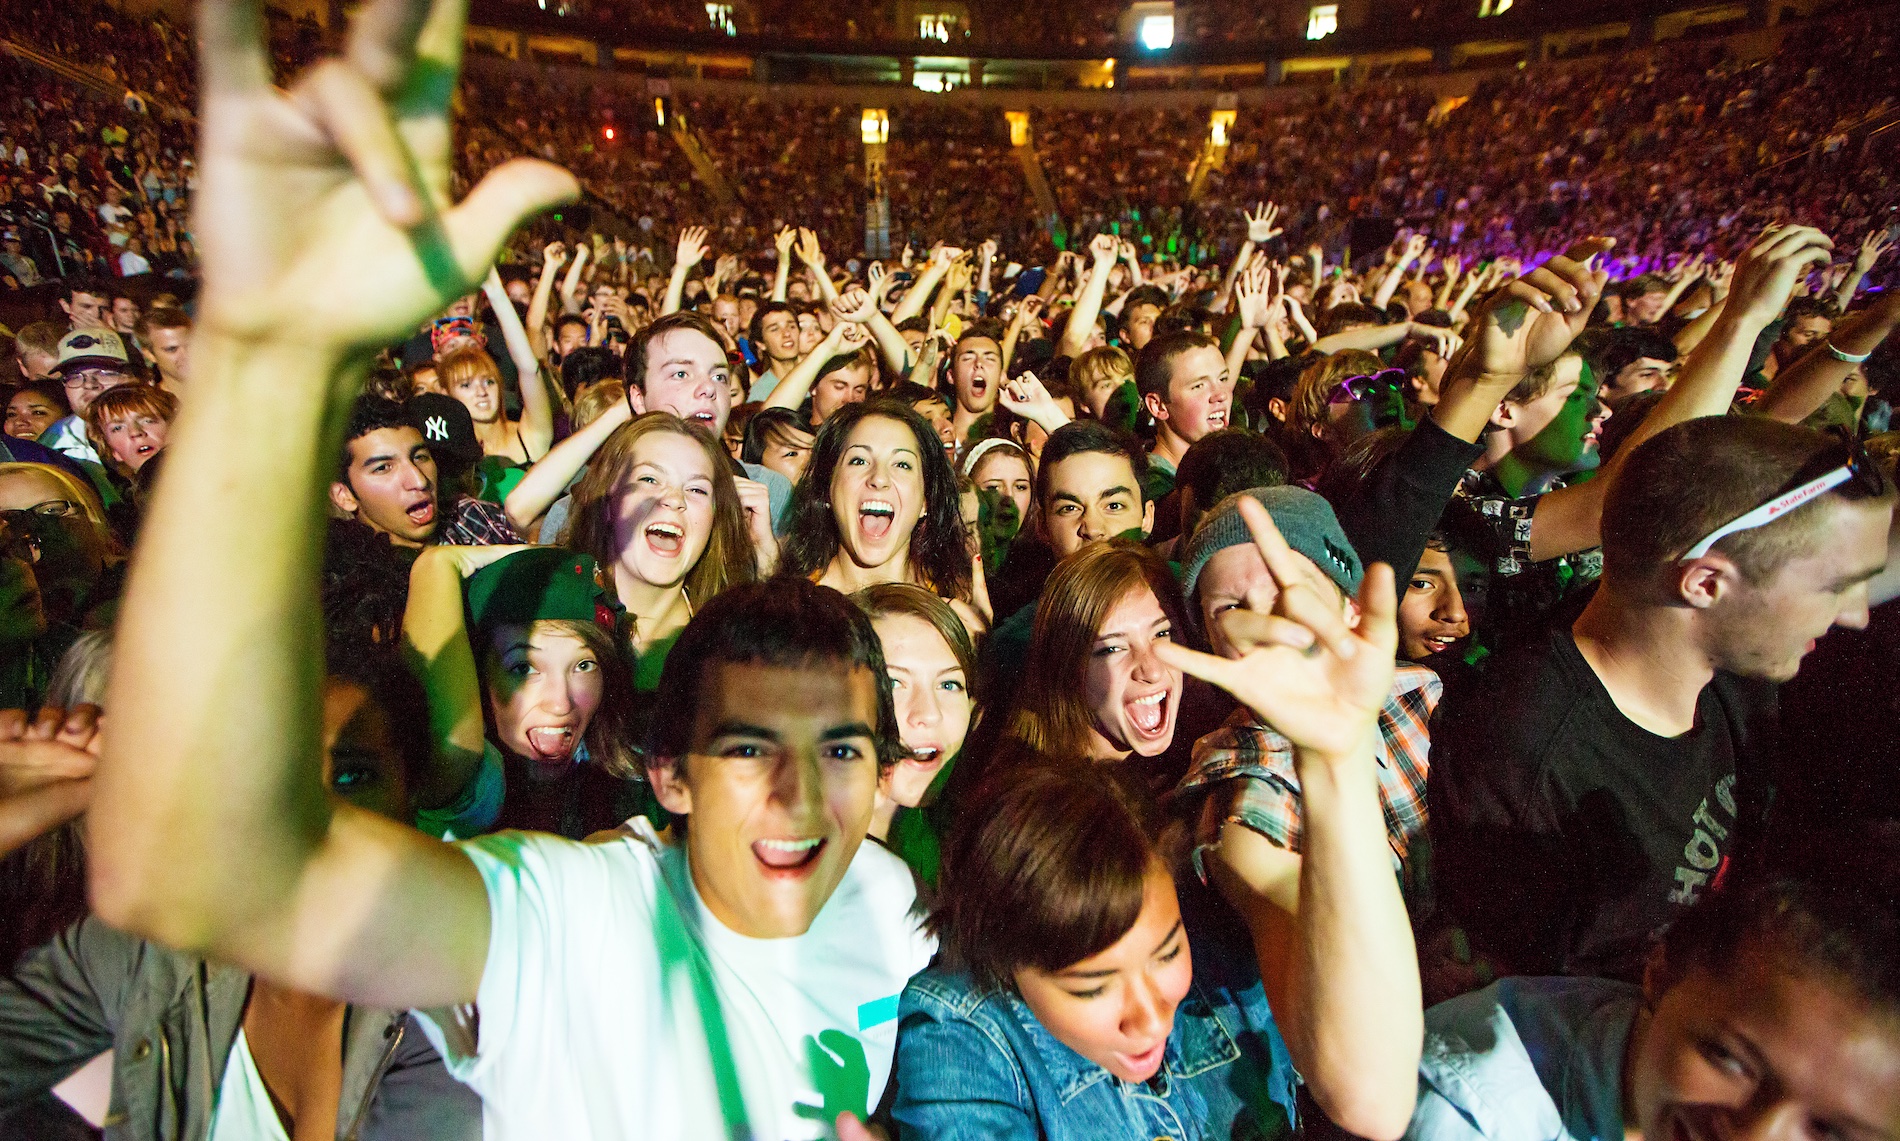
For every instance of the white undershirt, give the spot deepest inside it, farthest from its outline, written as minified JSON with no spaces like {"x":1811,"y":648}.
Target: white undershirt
{"x":243,"y":1109}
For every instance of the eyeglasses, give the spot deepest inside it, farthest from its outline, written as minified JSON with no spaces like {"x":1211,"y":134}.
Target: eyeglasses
{"x":1355,"y":388}
{"x":1857,"y":466}
{"x":95,"y":380}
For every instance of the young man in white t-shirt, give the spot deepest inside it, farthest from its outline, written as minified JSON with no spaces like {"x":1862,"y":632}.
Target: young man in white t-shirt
{"x":742,"y":981}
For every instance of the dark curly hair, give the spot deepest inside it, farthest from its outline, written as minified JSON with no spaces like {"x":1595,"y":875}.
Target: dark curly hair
{"x":939,"y":546}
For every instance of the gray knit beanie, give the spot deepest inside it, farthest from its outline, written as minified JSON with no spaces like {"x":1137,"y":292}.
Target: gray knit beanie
{"x":1303,"y":517}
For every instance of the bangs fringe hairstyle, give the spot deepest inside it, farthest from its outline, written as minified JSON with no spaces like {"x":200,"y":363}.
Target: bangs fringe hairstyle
{"x":1051,"y":716}
{"x":123,"y":403}
{"x":939,"y":545}
{"x":1317,"y":383}
{"x":464,"y":364}
{"x":728,"y":558}
{"x":1051,"y":871}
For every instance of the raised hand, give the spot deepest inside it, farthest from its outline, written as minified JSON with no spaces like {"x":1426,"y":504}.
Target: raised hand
{"x":1104,"y":247}
{"x":987,"y":250}
{"x":1721,"y":278}
{"x":553,"y":254}
{"x":1029,"y":310}
{"x":1298,"y":666}
{"x":1532,"y":320}
{"x":726,"y":268}
{"x":784,"y":241}
{"x":808,"y":249}
{"x":756,"y":500}
{"x":1768,"y":272}
{"x":1029,"y":398}
{"x":692,"y":247}
{"x":1444,"y":342}
{"x":1254,"y":295}
{"x":944,"y":255}
{"x":1871,"y":247}
{"x":880,"y":281}
{"x":855,"y":306}
{"x":1125,"y":249}
{"x":1260,"y":227}
{"x":853,"y":336}
{"x":1414,"y":249}
{"x":326,"y":206}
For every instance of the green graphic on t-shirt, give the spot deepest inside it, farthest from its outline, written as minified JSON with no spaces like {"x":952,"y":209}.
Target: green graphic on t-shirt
{"x":841,"y":1074}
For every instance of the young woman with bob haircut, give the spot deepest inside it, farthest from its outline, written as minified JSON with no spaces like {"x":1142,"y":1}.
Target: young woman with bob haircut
{"x":878,"y":503}
{"x":1095,"y":688}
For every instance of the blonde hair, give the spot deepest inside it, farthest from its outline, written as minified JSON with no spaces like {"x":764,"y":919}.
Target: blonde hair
{"x":1314,"y":390}
{"x":77,"y":491}
{"x":1098,"y":365}
{"x":464,"y":364}
{"x":597,"y":400}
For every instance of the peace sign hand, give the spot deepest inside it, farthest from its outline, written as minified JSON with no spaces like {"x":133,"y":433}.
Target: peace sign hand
{"x":1300,"y":668}
{"x":324,"y":210}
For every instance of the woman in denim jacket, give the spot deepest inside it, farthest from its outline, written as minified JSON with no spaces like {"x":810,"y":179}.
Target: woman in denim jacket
{"x":1067,"y":1001}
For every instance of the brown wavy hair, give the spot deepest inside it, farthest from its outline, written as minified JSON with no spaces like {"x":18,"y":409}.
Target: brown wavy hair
{"x":728,"y":558}
{"x":1051,"y":717}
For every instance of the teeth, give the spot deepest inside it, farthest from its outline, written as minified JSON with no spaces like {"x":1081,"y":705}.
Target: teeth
{"x":1152,"y":699}
{"x":876,"y":507}
{"x":926,"y":754}
{"x":790,"y":845}
{"x":665,"y":529}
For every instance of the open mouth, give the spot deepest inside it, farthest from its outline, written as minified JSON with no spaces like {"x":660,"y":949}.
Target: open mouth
{"x":552,"y":743}
{"x":704,"y":418}
{"x":788,"y":857}
{"x":925,"y":756}
{"x":876,"y":517}
{"x":1148,"y":714}
{"x":666,"y":539}
{"x":1144,"y":1064}
{"x":421,"y":512}
{"x":1439,"y":643}
{"x":1216,"y":421}
{"x":978,"y":386}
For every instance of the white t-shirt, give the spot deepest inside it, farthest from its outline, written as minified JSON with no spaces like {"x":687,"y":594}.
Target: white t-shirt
{"x":242,"y":1110}
{"x":613,"y":1005}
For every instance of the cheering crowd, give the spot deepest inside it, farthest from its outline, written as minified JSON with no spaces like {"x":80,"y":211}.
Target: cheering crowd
{"x":719,"y":688}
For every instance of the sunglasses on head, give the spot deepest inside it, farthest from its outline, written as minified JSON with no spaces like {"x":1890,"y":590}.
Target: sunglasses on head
{"x":1847,"y":462}
{"x":1356,"y":388}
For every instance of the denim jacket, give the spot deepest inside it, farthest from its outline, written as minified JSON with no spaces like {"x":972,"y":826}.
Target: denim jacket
{"x":975,"y":1063}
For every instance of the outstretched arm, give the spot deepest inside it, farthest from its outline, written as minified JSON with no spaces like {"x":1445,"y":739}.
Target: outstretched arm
{"x":571,"y":284}
{"x":1329,"y":924}
{"x":854,"y":309}
{"x":548,"y":478}
{"x":326,"y":231}
{"x":436,"y":648}
{"x":1571,"y":518}
{"x":691,"y":251}
{"x":919,"y":294}
{"x":1799,"y":390}
{"x":1088,"y":306}
{"x":537,"y":407}
{"x":543,"y":291}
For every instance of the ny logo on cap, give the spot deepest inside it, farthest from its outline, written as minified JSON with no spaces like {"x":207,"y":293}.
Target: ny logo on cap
{"x":436,"y":428}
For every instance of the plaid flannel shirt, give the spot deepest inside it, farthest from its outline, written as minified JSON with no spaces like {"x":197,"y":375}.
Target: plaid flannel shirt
{"x":476,"y":523}
{"x":1244,"y":772}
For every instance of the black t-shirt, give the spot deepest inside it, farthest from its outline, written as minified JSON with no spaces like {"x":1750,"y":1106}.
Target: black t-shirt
{"x":1565,"y":837}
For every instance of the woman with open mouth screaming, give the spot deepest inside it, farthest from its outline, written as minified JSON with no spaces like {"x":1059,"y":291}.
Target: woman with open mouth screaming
{"x":658,"y":510}
{"x":528,"y":698}
{"x":877,"y":504}
{"x":1099,"y":688}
